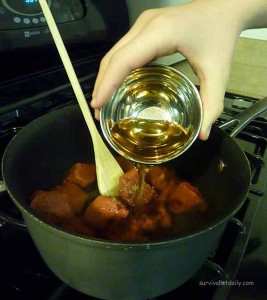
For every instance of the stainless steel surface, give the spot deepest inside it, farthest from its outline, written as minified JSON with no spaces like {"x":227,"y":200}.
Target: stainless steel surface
{"x":157,"y":93}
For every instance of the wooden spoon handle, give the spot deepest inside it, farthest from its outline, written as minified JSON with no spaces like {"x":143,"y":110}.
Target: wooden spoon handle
{"x":107,"y":168}
{"x":67,"y":64}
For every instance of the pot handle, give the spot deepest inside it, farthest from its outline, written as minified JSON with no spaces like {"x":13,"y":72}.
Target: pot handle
{"x":245,"y":117}
{"x":5,"y":218}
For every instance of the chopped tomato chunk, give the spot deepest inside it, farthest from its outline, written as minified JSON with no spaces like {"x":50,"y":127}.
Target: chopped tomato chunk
{"x":53,"y":206}
{"x":185,"y":198}
{"x":159,"y":177}
{"x":82,"y":174}
{"x":147,"y":206}
{"x":134,"y":190}
{"x":77,"y":225}
{"x":128,"y":186}
{"x":104,"y":210}
{"x":77,"y":196}
{"x":125,"y":164}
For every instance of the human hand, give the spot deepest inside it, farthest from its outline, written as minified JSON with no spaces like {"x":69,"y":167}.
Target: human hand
{"x":204,"y":31}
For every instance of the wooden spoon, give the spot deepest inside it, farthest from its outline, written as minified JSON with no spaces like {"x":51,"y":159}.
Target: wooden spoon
{"x":107,"y":168}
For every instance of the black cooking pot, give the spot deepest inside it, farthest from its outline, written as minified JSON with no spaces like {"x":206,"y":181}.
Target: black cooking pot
{"x":41,"y":153}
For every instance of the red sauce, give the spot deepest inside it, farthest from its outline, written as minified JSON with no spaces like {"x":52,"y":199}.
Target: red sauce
{"x":146,"y":207}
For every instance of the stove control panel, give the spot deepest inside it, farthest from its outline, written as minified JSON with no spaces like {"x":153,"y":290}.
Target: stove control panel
{"x":23,"y":27}
{"x":26,"y":14}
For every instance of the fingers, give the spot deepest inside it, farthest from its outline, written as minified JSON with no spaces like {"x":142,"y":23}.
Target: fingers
{"x":120,"y":71}
{"x":212,"y":89}
{"x":97,"y":114}
{"x":127,"y":37}
{"x":140,"y":46}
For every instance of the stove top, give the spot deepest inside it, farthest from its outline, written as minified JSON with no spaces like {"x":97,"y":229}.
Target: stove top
{"x":25,"y":274}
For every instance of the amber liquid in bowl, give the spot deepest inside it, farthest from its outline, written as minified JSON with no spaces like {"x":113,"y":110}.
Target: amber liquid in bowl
{"x":149,"y":140}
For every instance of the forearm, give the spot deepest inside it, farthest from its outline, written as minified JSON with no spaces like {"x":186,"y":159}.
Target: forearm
{"x":247,"y":13}
{"x":256,"y":14}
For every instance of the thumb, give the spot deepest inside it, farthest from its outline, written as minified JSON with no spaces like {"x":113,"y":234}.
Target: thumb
{"x":212,"y":90}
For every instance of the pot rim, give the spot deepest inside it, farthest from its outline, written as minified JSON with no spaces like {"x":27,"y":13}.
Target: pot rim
{"x":117,"y":244}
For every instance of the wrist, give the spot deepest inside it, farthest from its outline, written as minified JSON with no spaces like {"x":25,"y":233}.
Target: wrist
{"x":255,"y":14}
{"x":246,"y":14}
{"x":249,"y":13}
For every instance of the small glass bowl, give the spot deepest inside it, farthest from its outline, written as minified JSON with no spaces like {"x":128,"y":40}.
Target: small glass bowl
{"x":143,"y":119}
